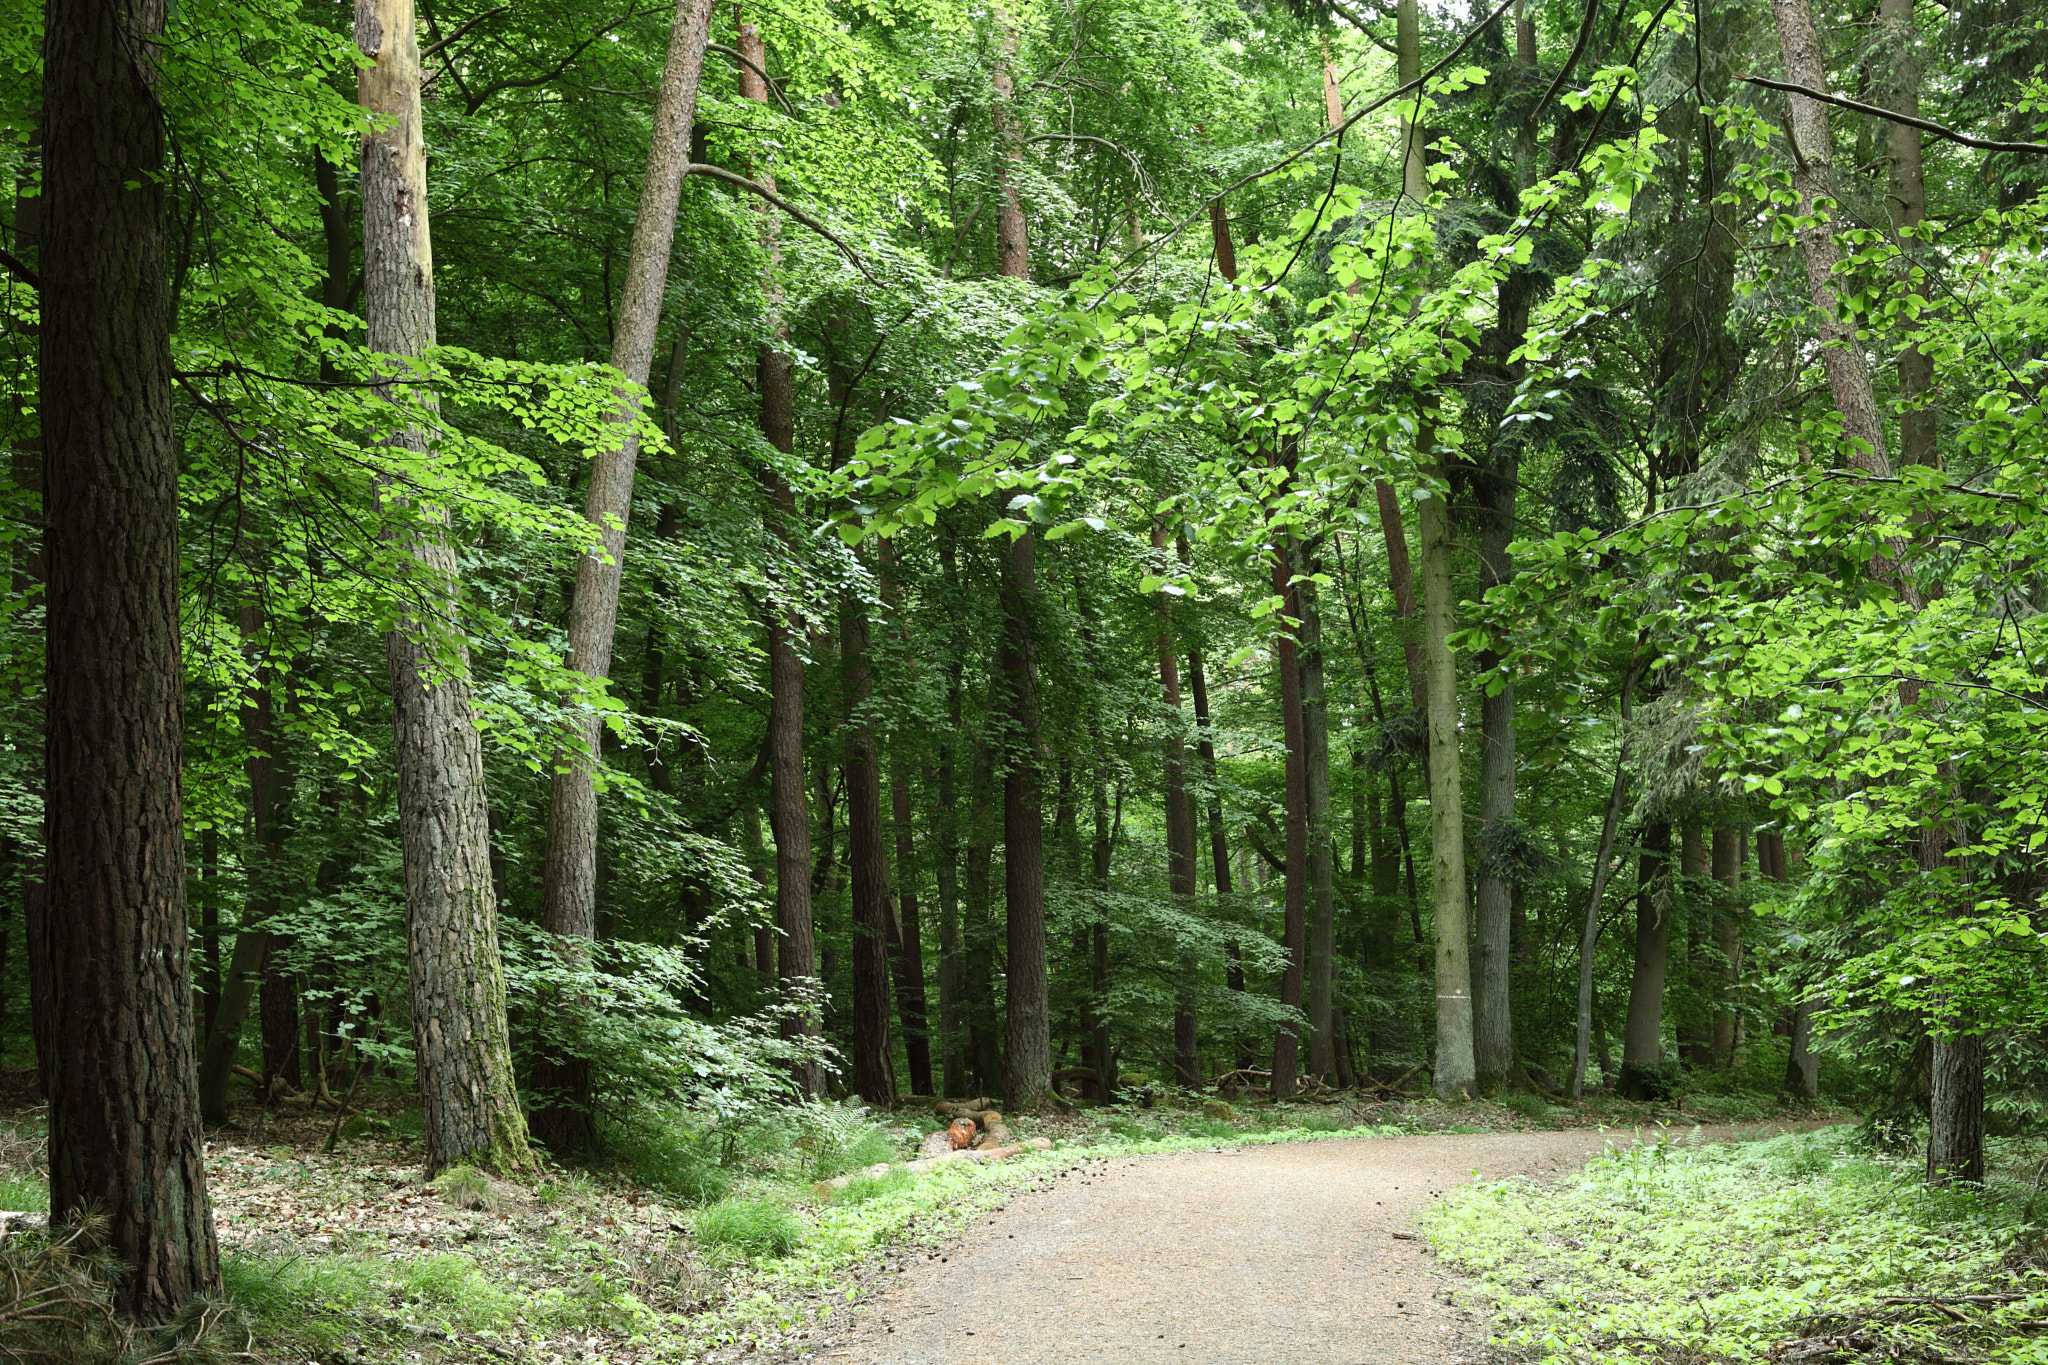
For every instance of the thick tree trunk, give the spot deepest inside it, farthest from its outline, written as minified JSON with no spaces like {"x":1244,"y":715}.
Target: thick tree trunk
{"x":1728,"y":943}
{"x":1642,"y":1039}
{"x":1955,"y":1101}
{"x":1908,"y":202}
{"x":869,"y":1062}
{"x":909,"y":942}
{"x":1180,"y":830}
{"x":569,"y":888}
{"x":1027,"y":1032}
{"x":1493,"y":1041}
{"x":1454,"y":1062}
{"x":984,"y":1036}
{"x":1013,"y":241}
{"x":1696,"y":1034}
{"x":1294,"y":932}
{"x":468,"y":1104}
{"x":110,"y":975}
{"x":1322,"y":861}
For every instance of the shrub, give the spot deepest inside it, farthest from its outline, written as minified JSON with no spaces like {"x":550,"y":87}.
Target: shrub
{"x":751,"y":1227}
{"x":665,"y":1151}
{"x":1525,"y":1103}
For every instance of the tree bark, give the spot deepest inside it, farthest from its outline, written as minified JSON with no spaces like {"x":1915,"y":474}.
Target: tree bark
{"x":1454,"y":1061}
{"x":1294,"y":933}
{"x":1918,"y":443}
{"x":111,"y":981}
{"x":1027,"y":1032}
{"x":1401,"y":578}
{"x":985,"y":1059}
{"x":909,"y":938}
{"x":1180,"y":830}
{"x":1493,"y":1041}
{"x":1955,"y":1104}
{"x":1322,"y":868}
{"x":569,"y":878}
{"x":1610,"y":825}
{"x":872,"y":1072}
{"x":1642,"y":1039}
{"x":1728,"y":943}
{"x":1013,"y":240}
{"x":952,"y":961}
{"x":468,"y":1104}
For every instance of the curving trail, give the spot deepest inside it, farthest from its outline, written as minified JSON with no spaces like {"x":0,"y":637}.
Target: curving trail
{"x":1280,"y":1255}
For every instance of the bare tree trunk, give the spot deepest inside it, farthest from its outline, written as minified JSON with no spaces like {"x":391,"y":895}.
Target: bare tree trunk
{"x":1642,"y":1039}
{"x":985,"y":1060}
{"x":1013,"y":241}
{"x":873,"y":1076}
{"x":111,"y":981}
{"x":1322,"y":869}
{"x":569,"y":877}
{"x":909,"y":938}
{"x":1219,"y":836}
{"x":1180,"y":830}
{"x":1027,"y":1033}
{"x":1454,"y":1062}
{"x":952,"y":961}
{"x":468,"y":1104}
{"x":1287,"y":659}
{"x":1728,"y":943}
{"x":1401,"y":578}
{"x":1493,"y":1043}
{"x":1908,"y":201}
{"x":1610,"y":825}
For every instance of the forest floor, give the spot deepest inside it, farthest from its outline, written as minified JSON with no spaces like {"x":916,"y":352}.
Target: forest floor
{"x":715,"y":1247}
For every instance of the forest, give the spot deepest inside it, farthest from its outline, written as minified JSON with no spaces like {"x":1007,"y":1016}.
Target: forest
{"x":672,"y":607}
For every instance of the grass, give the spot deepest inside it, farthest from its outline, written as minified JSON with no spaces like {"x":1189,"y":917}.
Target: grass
{"x":1724,"y":1252}
{"x":751,"y":1228}
{"x":24,"y":1194}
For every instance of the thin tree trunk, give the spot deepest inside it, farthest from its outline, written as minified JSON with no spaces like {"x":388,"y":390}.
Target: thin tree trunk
{"x":985,"y":1060}
{"x":1454,"y":1073}
{"x":1728,"y":943}
{"x":1322,"y":869}
{"x":1101,"y":851}
{"x":469,"y":1107}
{"x":910,"y":999}
{"x":872,"y":1074}
{"x":952,"y":964}
{"x":1401,"y":578}
{"x":1294,"y":933}
{"x":111,"y":981}
{"x":1642,"y":1039}
{"x":569,"y":888}
{"x":1219,"y":835}
{"x":1180,"y":830}
{"x":1013,"y":242}
{"x":1493,"y":1041}
{"x":1610,"y":825}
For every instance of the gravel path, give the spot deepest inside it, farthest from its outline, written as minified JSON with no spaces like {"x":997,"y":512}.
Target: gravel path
{"x":1280,"y":1255}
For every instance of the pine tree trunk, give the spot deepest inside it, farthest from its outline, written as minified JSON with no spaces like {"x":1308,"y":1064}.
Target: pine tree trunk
{"x":1642,"y":1039}
{"x":872,"y":1075}
{"x":110,"y":977}
{"x":910,"y":998}
{"x":1027,"y":1031}
{"x":1955,"y":1108}
{"x":1180,"y":830}
{"x":468,"y":1105}
{"x":1294,"y":931}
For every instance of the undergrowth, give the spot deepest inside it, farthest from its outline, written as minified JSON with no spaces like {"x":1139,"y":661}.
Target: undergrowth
{"x":1802,"y":1247}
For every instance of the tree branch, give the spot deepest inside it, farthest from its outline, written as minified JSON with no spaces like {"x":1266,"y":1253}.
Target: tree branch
{"x":1924,"y":125}
{"x":775,"y":89}
{"x":762,"y":191}
{"x":20,"y":270}
{"x":436,"y":46}
{"x":1564,"y":72}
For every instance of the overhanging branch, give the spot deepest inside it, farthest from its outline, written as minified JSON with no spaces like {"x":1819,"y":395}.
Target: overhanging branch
{"x":1924,"y":125}
{"x":761,"y":191}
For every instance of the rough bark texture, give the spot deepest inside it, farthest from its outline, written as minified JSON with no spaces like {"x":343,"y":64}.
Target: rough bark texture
{"x":109,"y":969}
{"x":569,"y":878}
{"x":946,"y":869}
{"x":1642,"y":1039}
{"x":1907,"y":199}
{"x":468,"y":1105}
{"x":1813,"y":178}
{"x":1728,"y":943}
{"x":1180,"y":829}
{"x":1955,"y":1109}
{"x":1027,"y":1031}
{"x":1802,"y":1067}
{"x":869,"y":1063}
{"x":1294,"y":931}
{"x":1013,"y":242}
{"x":1493,"y":1039}
{"x":909,"y":942}
{"x":1454,"y":1063}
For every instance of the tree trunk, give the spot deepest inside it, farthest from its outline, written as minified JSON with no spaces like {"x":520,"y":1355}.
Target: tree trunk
{"x":1101,"y":851}
{"x":1955,"y":1107}
{"x":872,"y":1073}
{"x":1908,"y":202}
{"x":1219,"y":837}
{"x":1610,"y":825}
{"x":909,"y":939}
{"x":1322,"y":868}
{"x":946,"y":870}
{"x":1027,"y":1032}
{"x":1454,"y":1061}
{"x":468,"y":1105}
{"x":112,"y":989}
{"x":1642,"y":1039}
{"x":1294,"y":934}
{"x":1401,"y":578}
{"x":1493,"y":1042}
{"x":1013,"y":241}
{"x":1728,"y":943}
{"x":1408,"y":68}
{"x":569,"y":878}
{"x":1180,"y":831}
{"x":985,"y":1059}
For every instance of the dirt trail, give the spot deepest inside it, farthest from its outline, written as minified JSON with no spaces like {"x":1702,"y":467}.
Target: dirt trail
{"x":1279,"y":1255}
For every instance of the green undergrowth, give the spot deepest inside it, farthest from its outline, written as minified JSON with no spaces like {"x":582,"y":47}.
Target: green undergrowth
{"x":1734,"y":1252}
